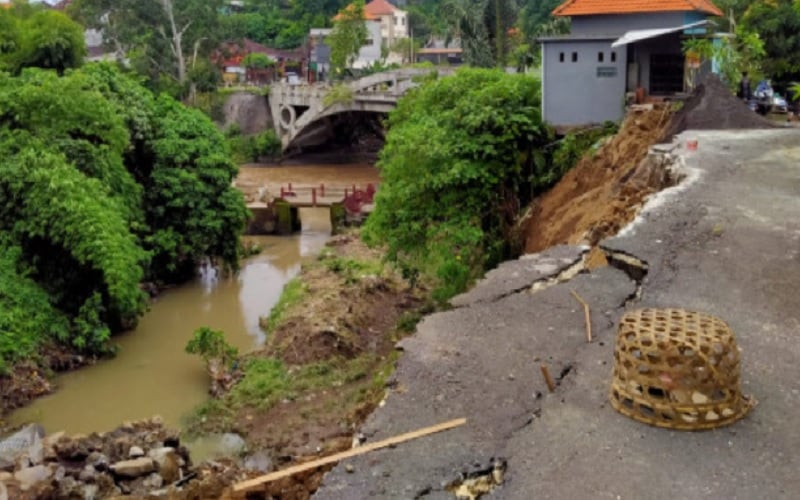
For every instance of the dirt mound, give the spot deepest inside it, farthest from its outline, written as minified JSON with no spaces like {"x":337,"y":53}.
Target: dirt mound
{"x":605,"y":190}
{"x":713,"y":107}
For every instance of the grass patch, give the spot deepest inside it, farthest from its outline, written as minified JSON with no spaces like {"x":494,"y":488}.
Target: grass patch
{"x":293,"y":292}
{"x":352,"y":270}
{"x":268,"y":381}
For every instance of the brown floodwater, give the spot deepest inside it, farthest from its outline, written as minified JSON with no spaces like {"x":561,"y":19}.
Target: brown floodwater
{"x":152,"y":375}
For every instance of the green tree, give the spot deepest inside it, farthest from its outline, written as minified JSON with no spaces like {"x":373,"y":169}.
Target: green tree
{"x":348,"y":36}
{"x":42,"y":38}
{"x":777,"y":23}
{"x":102,"y":185}
{"x":734,"y":54}
{"x":460,"y":159}
{"x":163,"y":37}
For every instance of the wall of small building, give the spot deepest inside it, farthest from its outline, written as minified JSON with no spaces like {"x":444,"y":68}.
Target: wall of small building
{"x":370,"y":52}
{"x":578,"y":87}
{"x":617,"y":24}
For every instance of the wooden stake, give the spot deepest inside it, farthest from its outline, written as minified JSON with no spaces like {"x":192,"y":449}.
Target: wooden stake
{"x":289,"y":471}
{"x":547,"y":378}
{"x":587,"y":314}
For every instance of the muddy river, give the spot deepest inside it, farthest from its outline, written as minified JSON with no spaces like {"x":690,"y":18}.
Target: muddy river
{"x":152,"y":375}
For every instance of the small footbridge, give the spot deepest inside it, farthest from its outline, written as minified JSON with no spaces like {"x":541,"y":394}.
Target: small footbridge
{"x":300,"y":110}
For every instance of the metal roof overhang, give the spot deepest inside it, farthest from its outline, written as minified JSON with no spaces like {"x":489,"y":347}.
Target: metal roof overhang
{"x":639,"y":35}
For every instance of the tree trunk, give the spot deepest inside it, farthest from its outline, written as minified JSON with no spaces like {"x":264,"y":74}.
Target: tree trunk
{"x":176,"y":41}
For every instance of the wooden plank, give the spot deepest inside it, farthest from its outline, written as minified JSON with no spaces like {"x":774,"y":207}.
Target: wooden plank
{"x":289,"y":471}
{"x":587,"y":315}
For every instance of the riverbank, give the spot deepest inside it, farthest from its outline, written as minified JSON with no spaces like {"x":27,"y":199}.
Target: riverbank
{"x":324,"y":369}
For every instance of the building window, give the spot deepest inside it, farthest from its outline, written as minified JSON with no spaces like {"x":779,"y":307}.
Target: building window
{"x":613,"y":56}
{"x":561,"y":57}
{"x":396,"y":21}
{"x":369,"y":41}
{"x":574,"y":57}
{"x":600,"y":56}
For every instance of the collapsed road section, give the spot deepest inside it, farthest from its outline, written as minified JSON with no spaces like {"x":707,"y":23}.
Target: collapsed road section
{"x":728,"y":243}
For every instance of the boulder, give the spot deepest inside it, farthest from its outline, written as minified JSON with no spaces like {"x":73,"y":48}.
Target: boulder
{"x":135,"y":452}
{"x":159,"y":454}
{"x":17,"y":444}
{"x":32,"y":475}
{"x":134,"y":468}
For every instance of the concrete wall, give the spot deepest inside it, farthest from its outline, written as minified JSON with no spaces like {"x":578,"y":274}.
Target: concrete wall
{"x":587,"y":90}
{"x":617,"y":24}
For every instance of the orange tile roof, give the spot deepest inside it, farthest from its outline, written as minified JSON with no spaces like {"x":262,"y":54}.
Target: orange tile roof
{"x":379,"y":8}
{"x":367,"y":16}
{"x":589,"y":7}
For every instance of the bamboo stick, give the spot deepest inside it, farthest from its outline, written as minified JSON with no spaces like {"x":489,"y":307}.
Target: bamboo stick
{"x":587,"y":315}
{"x":289,"y":471}
{"x":547,"y":378}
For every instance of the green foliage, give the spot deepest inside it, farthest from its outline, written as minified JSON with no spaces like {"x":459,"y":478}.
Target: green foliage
{"x":482,"y":26}
{"x":733,"y":54}
{"x":27,"y":317}
{"x":574,"y":146}
{"x":348,"y":36}
{"x":292,"y":293}
{"x":44,"y":39}
{"x":253,"y":148}
{"x":257,"y":60}
{"x":352,"y":270}
{"x":338,"y":94}
{"x":777,"y":23}
{"x":265,"y":382}
{"x":102,"y":186}
{"x":211,"y":345}
{"x":794,"y":88}
{"x":458,"y":162}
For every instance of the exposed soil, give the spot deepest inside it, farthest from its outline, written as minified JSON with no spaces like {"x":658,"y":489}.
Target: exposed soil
{"x":29,"y":380}
{"x":603,"y":191}
{"x":348,"y":319}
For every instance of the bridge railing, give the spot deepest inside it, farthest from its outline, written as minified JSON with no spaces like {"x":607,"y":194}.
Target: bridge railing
{"x":353,"y":196}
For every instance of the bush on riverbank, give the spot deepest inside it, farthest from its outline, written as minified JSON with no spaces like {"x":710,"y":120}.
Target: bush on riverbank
{"x":102,"y":185}
{"x":462,"y":155}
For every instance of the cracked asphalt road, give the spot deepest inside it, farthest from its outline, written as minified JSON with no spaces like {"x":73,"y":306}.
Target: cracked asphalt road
{"x":726,"y":242}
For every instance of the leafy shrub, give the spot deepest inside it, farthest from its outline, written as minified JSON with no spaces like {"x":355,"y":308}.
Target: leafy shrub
{"x":461,"y":157}
{"x":211,"y":344}
{"x":574,"y":145}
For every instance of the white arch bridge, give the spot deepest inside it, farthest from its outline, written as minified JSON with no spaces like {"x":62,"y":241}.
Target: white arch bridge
{"x":301,"y":116}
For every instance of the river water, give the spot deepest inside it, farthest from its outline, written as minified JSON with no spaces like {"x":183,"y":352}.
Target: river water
{"x":152,"y":375}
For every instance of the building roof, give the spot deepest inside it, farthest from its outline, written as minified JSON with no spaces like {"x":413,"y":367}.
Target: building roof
{"x":367,"y":16}
{"x":593,"y":7}
{"x":379,"y":8}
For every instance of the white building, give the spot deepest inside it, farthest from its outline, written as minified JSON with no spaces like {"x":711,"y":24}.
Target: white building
{"x":393,"y":21}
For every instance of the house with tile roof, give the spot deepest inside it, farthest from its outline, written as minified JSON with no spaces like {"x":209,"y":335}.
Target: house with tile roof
{"x":618,"y":48}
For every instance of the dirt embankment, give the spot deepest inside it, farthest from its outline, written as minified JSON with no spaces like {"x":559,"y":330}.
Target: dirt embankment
{"x":605,"y":190}
{"x":336,"y":340}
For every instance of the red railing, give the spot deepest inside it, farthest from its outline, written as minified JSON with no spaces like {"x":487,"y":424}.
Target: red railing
{"x":353,"y":197}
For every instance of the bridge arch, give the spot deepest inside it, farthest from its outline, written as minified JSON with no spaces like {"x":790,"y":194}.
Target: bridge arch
{"x":376,"y":93}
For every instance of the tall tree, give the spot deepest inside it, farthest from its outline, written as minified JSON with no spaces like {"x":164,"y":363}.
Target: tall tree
{"x":161,"y":36}
{"x":482,"y":26}
{"x":348,"y":36}
{"x":39,"y":38}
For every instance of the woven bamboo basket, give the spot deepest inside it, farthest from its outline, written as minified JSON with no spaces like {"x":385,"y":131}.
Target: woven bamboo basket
{"x":677,"y":369}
